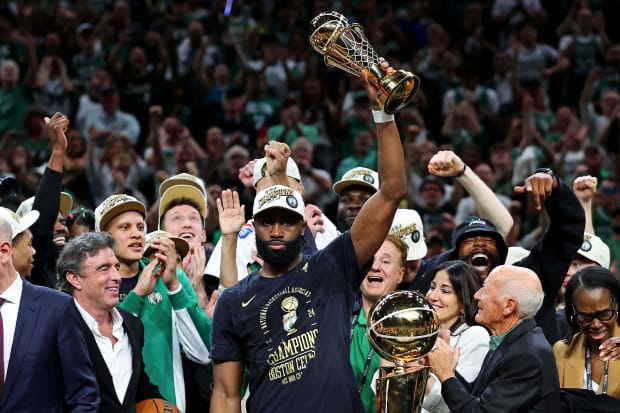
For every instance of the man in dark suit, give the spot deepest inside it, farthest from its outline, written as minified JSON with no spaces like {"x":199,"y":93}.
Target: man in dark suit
{"x":88,"y":269}
{"x":519,"y":372}
{"x":45,"y":361}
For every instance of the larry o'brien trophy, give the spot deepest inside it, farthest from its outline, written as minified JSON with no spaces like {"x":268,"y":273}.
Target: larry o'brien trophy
{"x":402,"y":328}
{"x":346,"y":47}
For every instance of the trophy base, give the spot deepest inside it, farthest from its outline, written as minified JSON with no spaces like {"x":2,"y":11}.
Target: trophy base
{"x":401,"y":392}
{"x":395,"y":91}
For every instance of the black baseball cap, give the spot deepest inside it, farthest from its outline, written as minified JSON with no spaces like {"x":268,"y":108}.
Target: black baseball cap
{"x":472,"y":226}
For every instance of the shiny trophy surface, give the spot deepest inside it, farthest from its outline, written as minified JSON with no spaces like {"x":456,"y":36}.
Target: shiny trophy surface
{"x":346,"y":47}
{"x":402,"y":328}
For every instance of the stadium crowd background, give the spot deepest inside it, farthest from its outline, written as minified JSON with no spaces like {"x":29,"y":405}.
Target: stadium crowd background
{"x":155,"y":88}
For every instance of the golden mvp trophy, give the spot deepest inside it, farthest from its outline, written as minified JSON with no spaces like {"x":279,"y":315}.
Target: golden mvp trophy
{"x":402,"y":328}
{"x":346,"y":47}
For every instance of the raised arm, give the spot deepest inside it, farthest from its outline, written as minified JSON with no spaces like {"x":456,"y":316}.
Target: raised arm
{"x":373,"y":222}
{"x":448,"y":164}
{"x":584,"y":188}
{"x":232,"y":217}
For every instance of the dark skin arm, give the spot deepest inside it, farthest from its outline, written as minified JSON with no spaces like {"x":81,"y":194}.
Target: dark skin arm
{"x":373,"y":222}
{"x":226,"y":396}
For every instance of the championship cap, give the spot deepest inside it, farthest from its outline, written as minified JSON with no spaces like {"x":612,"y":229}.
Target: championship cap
{"x":279,"y":196}
{"x":407,"y":225}
{"x":359,"y":177}
{"x":115,"y":205}
{"x":18,"y":224}
{"x":594,"y":249}
{"x":179,"y":243}
{"x":66,"y":203}
{"x":183,"y":179}
{"x":176,"y":192}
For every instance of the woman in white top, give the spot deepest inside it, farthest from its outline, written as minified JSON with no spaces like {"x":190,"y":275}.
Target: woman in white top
{"x":451,"y":294}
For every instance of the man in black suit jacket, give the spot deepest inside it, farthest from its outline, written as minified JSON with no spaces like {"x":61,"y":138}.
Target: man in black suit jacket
{"x":88,"y":270}
{"x":519,"y":372}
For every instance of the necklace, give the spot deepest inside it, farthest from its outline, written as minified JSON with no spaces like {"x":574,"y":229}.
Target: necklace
{"x":589,"y":371}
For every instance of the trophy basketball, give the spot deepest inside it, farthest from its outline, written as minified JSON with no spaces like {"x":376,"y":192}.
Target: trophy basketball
{"x":402,"y":328}
{"x":346,"y":47}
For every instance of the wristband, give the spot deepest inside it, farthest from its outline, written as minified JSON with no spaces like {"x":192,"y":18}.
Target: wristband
{"x":380,"y":116}
{"x":462,"y":172}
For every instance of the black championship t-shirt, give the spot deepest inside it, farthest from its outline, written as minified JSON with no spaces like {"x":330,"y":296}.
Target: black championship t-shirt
{"x":292,"y":333}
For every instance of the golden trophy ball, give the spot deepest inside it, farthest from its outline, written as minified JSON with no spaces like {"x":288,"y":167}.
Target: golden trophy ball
{"x":402,"y":328}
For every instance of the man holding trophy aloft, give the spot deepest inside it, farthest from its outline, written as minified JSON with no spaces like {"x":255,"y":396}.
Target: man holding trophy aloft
{"x":289,"y":322}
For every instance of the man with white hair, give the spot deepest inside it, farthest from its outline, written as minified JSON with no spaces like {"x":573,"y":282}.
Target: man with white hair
{"x":519,"y":373}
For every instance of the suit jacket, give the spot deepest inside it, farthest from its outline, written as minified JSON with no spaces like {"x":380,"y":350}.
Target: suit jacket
{"x":570,"y":359}
{"x":519,"y":376}
{"x":49,"y":368}
{"x":140,"y":386}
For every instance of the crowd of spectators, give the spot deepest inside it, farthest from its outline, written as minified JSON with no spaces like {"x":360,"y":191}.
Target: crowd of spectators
{"x":158,"y":88}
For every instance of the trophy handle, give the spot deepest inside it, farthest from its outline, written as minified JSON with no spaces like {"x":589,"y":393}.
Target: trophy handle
{"x":401,"y":392}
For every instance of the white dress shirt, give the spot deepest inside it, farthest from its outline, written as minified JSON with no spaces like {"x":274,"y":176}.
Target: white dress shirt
{"x":117,"y":357}
{"x":12,"y":297}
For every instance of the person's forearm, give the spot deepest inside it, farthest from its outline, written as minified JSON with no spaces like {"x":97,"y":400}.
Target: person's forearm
{"x":223,"y":404}
{"x":485,"y":201}
{"x":228,"y":265}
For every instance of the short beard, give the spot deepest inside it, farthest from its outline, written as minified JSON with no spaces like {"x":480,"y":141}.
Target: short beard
{"x":279,"y":258}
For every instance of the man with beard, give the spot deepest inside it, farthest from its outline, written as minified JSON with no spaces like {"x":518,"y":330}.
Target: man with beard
{"x":49,"y":233}
{"x":319,"y":232}
{"x":477,"y":241}
{"x":289,"y":322}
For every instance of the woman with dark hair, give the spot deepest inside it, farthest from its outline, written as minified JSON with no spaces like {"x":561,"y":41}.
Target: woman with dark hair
{"x":586,"y":356}
{"x":451,"y":294}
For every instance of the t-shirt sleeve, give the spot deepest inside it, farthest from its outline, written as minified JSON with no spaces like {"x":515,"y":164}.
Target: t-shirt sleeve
{"x":226,"y":343}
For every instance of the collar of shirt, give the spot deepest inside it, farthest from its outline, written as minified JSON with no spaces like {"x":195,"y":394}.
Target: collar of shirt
{"x":117,"y":322}
{"x":13,"y":294}
{"x":495,"y":341}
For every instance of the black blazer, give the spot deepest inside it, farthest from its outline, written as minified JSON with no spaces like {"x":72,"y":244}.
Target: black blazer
{"x":519,"y":376}
{"x":140,"y":386}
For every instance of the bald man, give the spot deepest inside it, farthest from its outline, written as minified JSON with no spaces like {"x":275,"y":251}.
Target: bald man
{"x":519,"y":373}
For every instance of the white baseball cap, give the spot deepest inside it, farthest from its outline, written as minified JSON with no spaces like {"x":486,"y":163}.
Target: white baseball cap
{"x":18,"y":224}
{"x":407,"y":225}
{"x":360,"y":177}
{"x":594,"y":249}
{"x":189,"y":192}
{"x":515,"y":254}
{"x":279,"y":196}
{"x":292,"y":170}
{"x":115,"y":205}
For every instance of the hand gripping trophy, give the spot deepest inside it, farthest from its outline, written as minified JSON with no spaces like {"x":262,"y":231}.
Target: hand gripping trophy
{"x":346,"y":47}
{"x":402,"y":328}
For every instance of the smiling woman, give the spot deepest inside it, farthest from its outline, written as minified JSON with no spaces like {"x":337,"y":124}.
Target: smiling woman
{"x":451,"y":294}
{"x":583,"y":357}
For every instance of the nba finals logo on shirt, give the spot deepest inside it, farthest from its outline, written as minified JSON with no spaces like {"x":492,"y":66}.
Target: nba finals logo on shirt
{"x":289,"y":326}
{"x":289,"y":305}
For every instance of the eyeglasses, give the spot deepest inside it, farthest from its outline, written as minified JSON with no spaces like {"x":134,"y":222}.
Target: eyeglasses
{"x":587,"y":318}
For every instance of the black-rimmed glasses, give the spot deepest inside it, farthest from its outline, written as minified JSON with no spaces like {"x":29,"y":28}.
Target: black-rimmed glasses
{"x":587,"y":318}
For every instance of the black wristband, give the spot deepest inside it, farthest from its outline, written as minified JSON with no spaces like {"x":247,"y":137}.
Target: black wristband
{"x":461,"y":173}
